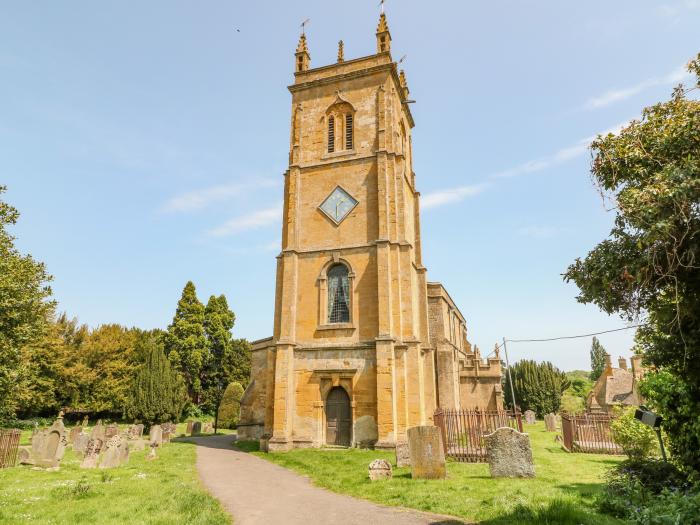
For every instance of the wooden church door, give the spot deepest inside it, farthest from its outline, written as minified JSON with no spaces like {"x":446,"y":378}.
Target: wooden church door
{"x":338,"y":417}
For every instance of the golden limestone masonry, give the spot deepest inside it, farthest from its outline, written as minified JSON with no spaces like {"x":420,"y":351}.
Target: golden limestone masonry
{"x":363,"y":346}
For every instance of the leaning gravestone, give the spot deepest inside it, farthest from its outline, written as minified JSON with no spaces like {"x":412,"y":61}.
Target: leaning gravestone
{"x":156,"y":435}
{"x":530,"y":418}
{"x":196,"y":428}
{"x":403,"y":456}
{"x":509,"y":454}
{"x":550,"y":421}
{"x":98,"y":431}
{"x":74,"y":432}
{"x":379,"y":469}
{"x":80,"y":443}
{"x":52,"y":445}
{"x":111,"y":431}
{"x":92,"y":453}
{"x":116,"y":452}
{"x":426,"y":452}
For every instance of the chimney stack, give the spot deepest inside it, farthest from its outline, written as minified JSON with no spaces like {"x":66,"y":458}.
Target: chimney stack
{"x":637,"y":371}
{"x":622,"y":362}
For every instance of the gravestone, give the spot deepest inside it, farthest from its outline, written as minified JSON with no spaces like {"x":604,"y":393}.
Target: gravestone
{"x":196,"y":428}
{"x":379,"y":469}
{"x":403,"y":456}
{"x":166,"y":436}
{"x":92,"y":453}
{"x":24,"y":456}
{"x":52,"y":445}
{"x":189,"y":427}
{"x":111,"y":431}
{"x":426,"y":453}
{"x":80,"y":443}
{"x":152,"y":454}
{"x":509,"y":454}
{"x":530,"y":417}
{"x":116,"y":452}
{"x":86,"y":420}
{"x":170,"y":427}
{"x":156,"y":435}
{"x":98,"y":431}
{"x":74,"y":432}
{"x":135,"y":431}
{"x":136,"y":445}
{"x":207,"y":428}
{"x":550,"y":421}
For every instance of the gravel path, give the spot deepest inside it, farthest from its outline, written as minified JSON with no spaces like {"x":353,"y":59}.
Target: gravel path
{"x":258,"y":492}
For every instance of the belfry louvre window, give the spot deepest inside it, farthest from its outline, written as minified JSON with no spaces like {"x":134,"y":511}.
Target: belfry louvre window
{"x":331,"y":134}
{"x":348,"y":131}
{"x":338,"y":294}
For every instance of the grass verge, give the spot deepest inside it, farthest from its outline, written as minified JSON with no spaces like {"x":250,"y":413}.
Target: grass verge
{"x":562,"y":493}
{"x":165,"y":491}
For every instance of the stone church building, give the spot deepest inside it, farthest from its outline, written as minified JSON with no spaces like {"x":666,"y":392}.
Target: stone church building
{"x":363,"y":346}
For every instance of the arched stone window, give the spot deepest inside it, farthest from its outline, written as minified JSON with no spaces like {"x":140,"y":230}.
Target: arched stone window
{"x":338,"y":294}
{"x":340,"y":121}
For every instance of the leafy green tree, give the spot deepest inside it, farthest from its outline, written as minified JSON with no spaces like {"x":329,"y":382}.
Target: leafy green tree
{"x":649,"y":266}
{"x":185,"y":343}
{"x":538,"y":386}
{"x":597,"y":359}
{"x":158,"y":393}
{"x":25,"y":306}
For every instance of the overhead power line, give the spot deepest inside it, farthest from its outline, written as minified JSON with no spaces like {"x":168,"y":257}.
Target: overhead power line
{"x":573,"y":336}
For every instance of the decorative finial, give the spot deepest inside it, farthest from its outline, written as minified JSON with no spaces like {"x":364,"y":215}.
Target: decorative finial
{"x":383,"y":35}
{"x":302,"y":47}
{"x":303,"y":59}
{"x":383,"y":26}
{"x":341,"y":51}
{"x":402,"y":78}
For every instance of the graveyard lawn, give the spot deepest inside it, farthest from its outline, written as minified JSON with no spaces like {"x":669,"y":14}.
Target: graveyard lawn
{"x":562,"y":493}
{"x":164,"y":491}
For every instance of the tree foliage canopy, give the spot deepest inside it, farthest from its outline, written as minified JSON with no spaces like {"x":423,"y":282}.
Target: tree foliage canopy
{"x":538,"y":386}
{"x":649,"y":266}
{"x":25,"y":306}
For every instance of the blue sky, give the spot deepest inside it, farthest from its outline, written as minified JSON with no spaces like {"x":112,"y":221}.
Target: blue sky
{"x":145,"y":142}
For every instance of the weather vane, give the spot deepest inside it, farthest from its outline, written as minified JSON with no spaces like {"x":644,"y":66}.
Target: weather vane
{"x":381,"y":3}
{"x":303,"y":26}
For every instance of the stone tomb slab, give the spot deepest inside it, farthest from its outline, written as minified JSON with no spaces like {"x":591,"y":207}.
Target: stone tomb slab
{"x":509,"y":454}
{"x":426,"y":453}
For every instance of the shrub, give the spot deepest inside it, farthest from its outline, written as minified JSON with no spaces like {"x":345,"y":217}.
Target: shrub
{"x":636,"y":439}
{"x":230,"y":408}
{"x":650,"y":492}
{"x":572,"y":404}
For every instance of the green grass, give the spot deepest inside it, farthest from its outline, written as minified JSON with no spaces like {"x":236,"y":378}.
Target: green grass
{"x":164,"y":491}
{"x":562,"y":493}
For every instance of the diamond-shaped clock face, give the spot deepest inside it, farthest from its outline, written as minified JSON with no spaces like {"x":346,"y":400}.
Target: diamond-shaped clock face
{"x":338,"y":205}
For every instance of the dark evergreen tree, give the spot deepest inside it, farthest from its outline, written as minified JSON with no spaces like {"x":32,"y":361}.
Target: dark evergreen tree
{"x":597,"y":359}
{"x":185,"y":343}
{"x":538,"y":386}
{"x":158,"y":392}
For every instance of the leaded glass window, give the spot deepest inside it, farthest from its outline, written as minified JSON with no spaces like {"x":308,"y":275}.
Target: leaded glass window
{"x":338,"y":294}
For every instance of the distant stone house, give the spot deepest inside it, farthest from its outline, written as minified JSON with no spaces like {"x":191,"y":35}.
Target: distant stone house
{"x":616,"y":386}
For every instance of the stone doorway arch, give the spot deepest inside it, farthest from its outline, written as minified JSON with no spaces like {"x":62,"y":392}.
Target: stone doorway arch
{"x":338,"y":417}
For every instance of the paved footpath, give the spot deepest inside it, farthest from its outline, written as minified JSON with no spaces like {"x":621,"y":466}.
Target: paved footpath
{"x":257,"y":492}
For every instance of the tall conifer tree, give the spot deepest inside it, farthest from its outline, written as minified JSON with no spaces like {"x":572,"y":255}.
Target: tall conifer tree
{"x":597,"y":359}
{"x":185,"y":342}
{"x":538,"y":386}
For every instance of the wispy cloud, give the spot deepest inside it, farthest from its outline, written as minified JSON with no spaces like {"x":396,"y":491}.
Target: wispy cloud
{"x":675,"y":12}
{"x":617,"y":95}
{"x":540,"y":232}
{"x":201,"y":198}
{"x":558,"y":157}
{"x":248,"y":222}
{"x":442,"y":197}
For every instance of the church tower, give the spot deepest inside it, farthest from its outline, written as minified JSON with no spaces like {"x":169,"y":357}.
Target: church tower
{"x":351,"y":360}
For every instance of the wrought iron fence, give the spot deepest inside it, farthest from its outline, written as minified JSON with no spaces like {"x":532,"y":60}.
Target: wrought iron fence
{"x":588,"y":433}
{"x":9,"y":443}
{"x":463,"y":431}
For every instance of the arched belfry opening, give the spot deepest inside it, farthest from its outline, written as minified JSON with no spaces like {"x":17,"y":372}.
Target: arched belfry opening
{"x":338,"y":417}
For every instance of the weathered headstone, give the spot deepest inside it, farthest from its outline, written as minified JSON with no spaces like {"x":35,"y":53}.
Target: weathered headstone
{"x":166,"y":436}
{"x":116,"y":452}
{"x":156,"y":435}
{"x":403,"y":456}
{"x":189,"y":427}
{"x":426,"y":452}
{"x":24,"y":456}
{"x":80,"y":443}
{"x":196,"y":428}
{"x":152,"y":454}
{"x":98,"y":431}
{"x":509,"y":454}
{"x":92,"y":453}
{"x":550,"y":421}
{"x":52,"y":445}
{"x":111,"y":431}
{"x":135,"y":431}
{"x":379,"y":469}
{"x":74,"y":432}
{"x":530,"y":418}
{"x":207,"y":428}
{"x":137,"y":445}
{"x":86,"y":420}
